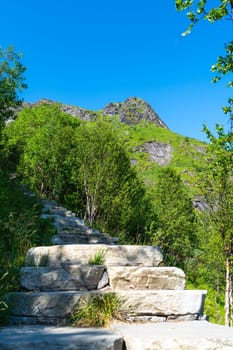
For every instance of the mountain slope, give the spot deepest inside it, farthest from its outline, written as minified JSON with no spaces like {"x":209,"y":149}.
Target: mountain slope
{"x":149,"y":141}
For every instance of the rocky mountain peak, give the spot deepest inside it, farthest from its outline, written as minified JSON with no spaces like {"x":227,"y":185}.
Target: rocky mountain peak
{"x":132,"y":111}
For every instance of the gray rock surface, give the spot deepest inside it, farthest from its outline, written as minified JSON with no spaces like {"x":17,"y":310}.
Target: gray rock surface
{"x":132,"y":277}
{"x":59,"y":305}
{"x":78,"y":236}
{"x":53,"y":338}
{"x":168,"y":303}
{"x":74,"y":277}
{"x":114,"y":255}
{"x":160,"y":153}
{"x":196,"y":335}
{"x":45,"y":304}
{"x":132,"y":111}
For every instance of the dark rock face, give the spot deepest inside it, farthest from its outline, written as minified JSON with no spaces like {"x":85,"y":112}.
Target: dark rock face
{"x":132,"y":111}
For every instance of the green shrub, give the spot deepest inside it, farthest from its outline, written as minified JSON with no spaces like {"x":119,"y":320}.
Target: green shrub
{"x":20,"y":229}
{"x":97,"y":311}
{"x":3,"y":304}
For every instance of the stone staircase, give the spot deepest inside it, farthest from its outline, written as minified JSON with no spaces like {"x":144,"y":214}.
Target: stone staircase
{"x":57,"y":278}
{"x":70,"y":229}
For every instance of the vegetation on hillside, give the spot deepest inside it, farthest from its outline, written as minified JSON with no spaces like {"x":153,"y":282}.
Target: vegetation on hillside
{"x":20,"y":223}
{"x":187,"y":155}
{"x":103,"y":172}
{"x":86,"y":166}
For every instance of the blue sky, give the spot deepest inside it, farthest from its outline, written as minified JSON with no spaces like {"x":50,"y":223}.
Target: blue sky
{"x":89,"y":53}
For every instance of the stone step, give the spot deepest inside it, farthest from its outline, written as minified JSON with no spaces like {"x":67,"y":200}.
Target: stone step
{"x":163,"y":305}
{"x":77,"y":239}
{"x":114,"y":255}
{"x":65,"y":222}
{"x":139,"y":277}
{"x":138,"y":305}
{"x":71,"y":229}
{"x":83,"y":238}
{"x":92,"y":277}
{"x":195,"y":335}
{"x":74,"y":277}
{"x":57,"y":210}
{"x":62,"y":338}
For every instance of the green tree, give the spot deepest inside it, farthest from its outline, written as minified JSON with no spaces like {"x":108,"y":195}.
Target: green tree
{"x":12,"y":81}
{"x":217,"y":184}
{"x":41,"y":141}
{"x":176,"y":233}
{"x":115,"y":199}
{"x":203,"y":9}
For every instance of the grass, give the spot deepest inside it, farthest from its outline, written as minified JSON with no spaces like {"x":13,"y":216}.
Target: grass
{"x":188,"y":155}
{"x":98,"y":258}
{"x":97,"y":311}
{"x":214,"y":302}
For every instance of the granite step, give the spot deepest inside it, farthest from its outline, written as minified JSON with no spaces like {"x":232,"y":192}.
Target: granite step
{"x":73,"y":277}
{"x":77,"y":237}
{"x":71,"y":230}
{"x":57,"y":210}
{"x":114,"y":255}
{"x":59,"y":338}
{"x":65,"y":222}
{"x":194,"y":335}
{"x":138,"y":305}
{"x":140,"y":277}
{"x":92,"y":277}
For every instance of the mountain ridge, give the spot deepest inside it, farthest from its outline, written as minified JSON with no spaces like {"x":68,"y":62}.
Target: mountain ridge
{"x":131,"y":111}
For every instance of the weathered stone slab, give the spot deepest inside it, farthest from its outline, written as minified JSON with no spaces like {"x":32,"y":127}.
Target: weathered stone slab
{"x":38,"y":320}
{"x":54,"y":338}
{"x":163,"y":302}
{"x":79,"y":237}
{"x":114,"y":255}
{"x":132,"y":277}
{"x":65,"y":222}
{"x":74,"y":277}
{"x":44,"y":304}
{"x":190,"y":335}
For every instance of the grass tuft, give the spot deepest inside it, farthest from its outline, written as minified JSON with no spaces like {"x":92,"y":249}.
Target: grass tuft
{"x":97,"y":311}
{"x":98,"y":258}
